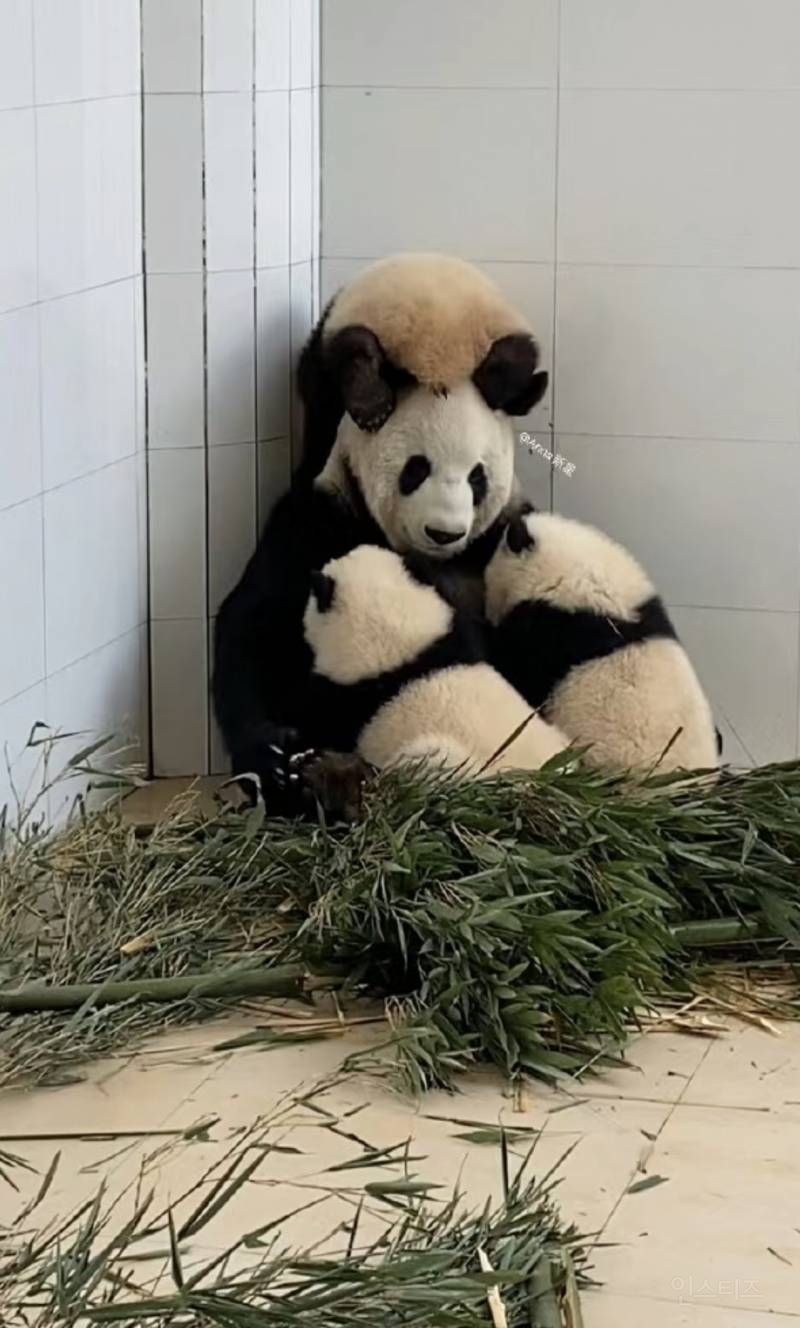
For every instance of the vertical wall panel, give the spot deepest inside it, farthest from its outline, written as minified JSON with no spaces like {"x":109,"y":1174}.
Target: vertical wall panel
{"x":71,"y":369}
{"x":230,"y":195}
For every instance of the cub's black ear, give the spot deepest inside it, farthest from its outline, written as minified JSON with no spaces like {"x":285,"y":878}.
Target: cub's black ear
{"x":518,"y":537}
{"x":507,"y":379}
{"x":356,"y":361}
{"x":323,"y":588}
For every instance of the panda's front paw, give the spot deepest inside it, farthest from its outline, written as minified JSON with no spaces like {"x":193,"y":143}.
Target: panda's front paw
{"x":336,"y":781}
{"x":274,"y":766}
{"x":287,"y":757}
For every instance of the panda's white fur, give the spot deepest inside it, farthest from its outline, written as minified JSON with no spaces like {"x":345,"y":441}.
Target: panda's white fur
{"x":382,"y":618}
{"x":454,"y":433}
{"x":434,"y":314}
{"x":626,"y":706}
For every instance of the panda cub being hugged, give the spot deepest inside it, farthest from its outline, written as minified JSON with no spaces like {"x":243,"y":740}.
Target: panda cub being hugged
{"x":581,"y":632}
{"x":400,"y":674}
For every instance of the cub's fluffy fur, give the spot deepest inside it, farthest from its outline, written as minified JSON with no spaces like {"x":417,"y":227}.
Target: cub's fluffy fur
{"x":404,"y":675}
{"x":582,"y":632}
{"x":435,"y":315}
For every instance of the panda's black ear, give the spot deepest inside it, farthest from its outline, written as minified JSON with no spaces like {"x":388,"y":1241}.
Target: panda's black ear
{"x":323,"y":588}
{"x":507,"y":379}
{"x":356,"y":361}
{"x":518,"y":537}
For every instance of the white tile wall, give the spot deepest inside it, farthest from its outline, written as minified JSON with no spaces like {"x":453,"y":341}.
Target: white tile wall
{"x":20,"y":451}
{"x":625,"y":170}
{"x":171,"y":45}
{"x":18,"y":276}
{"x":91,"y":573}
{"x":87,"y":185}
{"x":749,"y":665}
{"x":487,"y":44}
{"x":88,"y":381}
{"x":231,"y":516}
{"x":273,"y":45}
{"x":228,"y":45}
{"x":273,"y":352}
{"x":175,"y":360}
{"x":673,"y":189}
{"x":273,"y":218}
{"x":178,"y":532}
{"x":21,"y":598}
{"x":714,"y":44}
{"x":100,"y":696}
{"x":71,"y":373}
{"x":682,"y":352}
{"x":179,"y":656}
{"x":16,"y":54}
{"x":231,"y":357}
{"x":231,"y":229}
{"x":479,"y":163}
{"x":229,"y":181}
{"x":86,"y":49}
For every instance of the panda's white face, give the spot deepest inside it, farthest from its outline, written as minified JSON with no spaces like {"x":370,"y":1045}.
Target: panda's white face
{"x":439,"y":471}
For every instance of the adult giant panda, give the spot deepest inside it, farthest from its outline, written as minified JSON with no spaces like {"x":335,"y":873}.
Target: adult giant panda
{"x":413,"y":372}
{"x":581,"y":632}
{"x":400,"y":674}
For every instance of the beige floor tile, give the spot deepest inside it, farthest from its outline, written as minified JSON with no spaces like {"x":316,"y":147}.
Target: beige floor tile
{"x":120,"y":1095}
{"x":609,"y":1140}
{"x":727,"y":1211}
{"x":604,"y":1310}
{"x":731,"y":1195}
{"x":81,"y":1166}
{"x":147,"y":803}
{"x":660,"y":1066}
{"x":752,"y":1068}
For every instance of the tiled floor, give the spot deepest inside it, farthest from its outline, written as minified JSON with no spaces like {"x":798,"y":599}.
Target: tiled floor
{"x":714,"y":1244}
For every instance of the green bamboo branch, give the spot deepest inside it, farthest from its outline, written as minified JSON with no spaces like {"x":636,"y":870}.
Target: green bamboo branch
{"x":719,"y":931}
{"x":287,"y":981}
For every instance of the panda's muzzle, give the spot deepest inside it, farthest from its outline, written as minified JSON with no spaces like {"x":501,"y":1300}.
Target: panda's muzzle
{"x":443,"y":537}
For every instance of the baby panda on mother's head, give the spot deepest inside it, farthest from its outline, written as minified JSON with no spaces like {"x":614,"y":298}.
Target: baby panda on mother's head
{"x":400,"y":675}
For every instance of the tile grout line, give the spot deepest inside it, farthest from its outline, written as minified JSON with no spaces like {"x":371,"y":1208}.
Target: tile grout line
{"x":206,"y":736}
{"x":148,"y":679}
{"x":254,"y":131}
{"x":39,"y":369}
{"x":554,"y":336}
{"x":292,"y":404}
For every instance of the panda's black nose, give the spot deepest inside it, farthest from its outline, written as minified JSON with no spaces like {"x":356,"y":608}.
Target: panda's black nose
{"x":444,"y":536}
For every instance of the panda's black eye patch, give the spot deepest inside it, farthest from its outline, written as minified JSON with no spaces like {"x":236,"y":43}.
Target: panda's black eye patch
{"x":478,"y":483}
{"x":414,"y":473}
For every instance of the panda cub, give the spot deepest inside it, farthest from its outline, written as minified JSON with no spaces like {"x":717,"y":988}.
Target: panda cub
{"x":581,"y":632}
{"x":402,"y":675}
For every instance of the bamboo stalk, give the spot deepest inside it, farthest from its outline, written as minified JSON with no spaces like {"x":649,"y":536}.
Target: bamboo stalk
{"x":718,"y":931}
{"x":286,"y":981}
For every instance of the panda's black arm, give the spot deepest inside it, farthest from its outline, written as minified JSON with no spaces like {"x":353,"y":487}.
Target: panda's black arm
{"x":261,"y":661}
